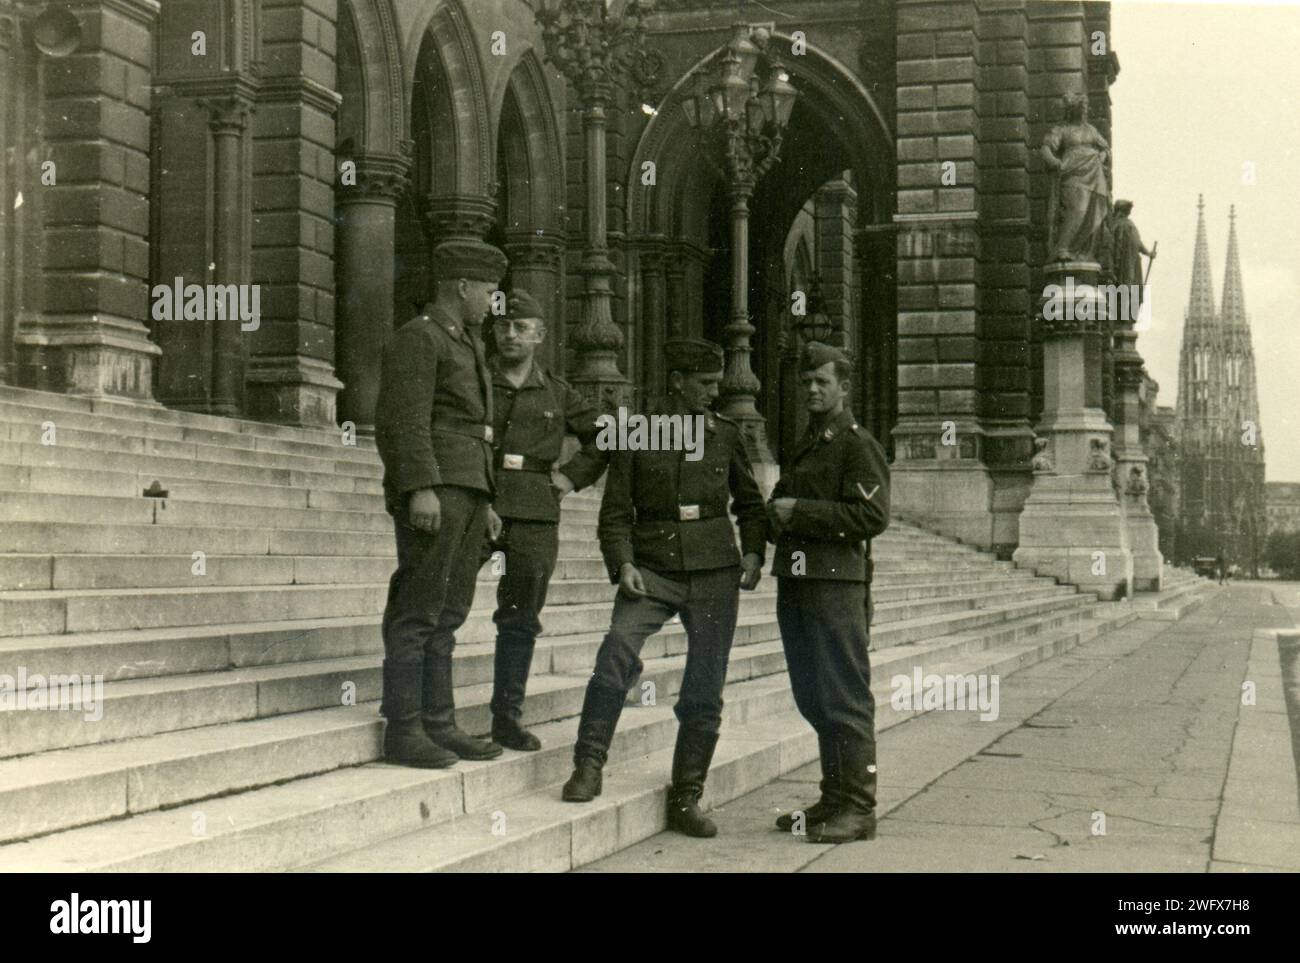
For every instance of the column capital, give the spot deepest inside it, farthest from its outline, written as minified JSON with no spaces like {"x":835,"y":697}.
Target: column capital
{"x":380,"y":176}
{"x":461,"y":216}
{"x":535,"y":249}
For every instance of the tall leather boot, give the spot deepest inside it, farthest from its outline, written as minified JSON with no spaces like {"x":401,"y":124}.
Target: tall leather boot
{"x":825,"y":807}
{"x":856,"y":816}
{"x":511,"y":663}
{"x":440,"y":713}
{"x":601,"y":707}
{"x":405,"y":741}
{"x":691,"y":758}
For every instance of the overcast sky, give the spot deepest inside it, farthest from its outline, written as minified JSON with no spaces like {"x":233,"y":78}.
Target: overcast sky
{"x":1204,"y":89}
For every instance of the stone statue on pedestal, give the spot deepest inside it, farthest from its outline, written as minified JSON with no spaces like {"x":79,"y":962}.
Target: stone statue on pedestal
{"x":1080,"y":197}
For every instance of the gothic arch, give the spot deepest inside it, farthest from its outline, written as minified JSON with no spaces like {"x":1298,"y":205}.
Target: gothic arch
{"x":445,"y":62}
{"x":383,"y":125}
{"x":532,"y":151}
{"x":835,"y":95}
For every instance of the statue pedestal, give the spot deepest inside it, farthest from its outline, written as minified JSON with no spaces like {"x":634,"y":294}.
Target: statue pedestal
{"x":1072,"y":526}
{"x":1131,"y":478}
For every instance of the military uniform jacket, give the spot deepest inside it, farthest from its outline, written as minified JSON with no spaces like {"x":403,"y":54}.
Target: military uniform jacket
{"x":840,"y":483}
{"x":433,"y":417}
{"x":668,"y":514}
{"x":528,"y":434}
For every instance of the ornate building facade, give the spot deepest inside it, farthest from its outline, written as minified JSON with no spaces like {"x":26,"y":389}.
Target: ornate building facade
{"x":318,"y":149}
{"x":1220,"y":440}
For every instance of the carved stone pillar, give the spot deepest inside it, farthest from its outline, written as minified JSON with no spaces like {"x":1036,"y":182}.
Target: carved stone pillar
{"x":364,"y":273}
{"x":1132,"y":480}
{"x":1072,"y":527}
{"x":228,"y":121}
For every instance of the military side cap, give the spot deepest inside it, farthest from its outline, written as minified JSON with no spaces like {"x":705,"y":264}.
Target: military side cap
{"x":472,"y":260}
{"x":693,"y":354}
{"x":815,"y":354}
{"x":520,"y":304}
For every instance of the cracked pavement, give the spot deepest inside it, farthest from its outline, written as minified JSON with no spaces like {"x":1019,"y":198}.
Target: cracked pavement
{"x":1112,"y":757}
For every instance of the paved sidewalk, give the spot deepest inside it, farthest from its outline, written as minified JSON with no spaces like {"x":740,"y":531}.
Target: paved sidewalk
{"x":1131,"y":734}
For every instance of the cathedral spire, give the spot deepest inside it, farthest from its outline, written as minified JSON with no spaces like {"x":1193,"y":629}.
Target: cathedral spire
{"x":1234,"y":300}
{"x":1201,"y":302}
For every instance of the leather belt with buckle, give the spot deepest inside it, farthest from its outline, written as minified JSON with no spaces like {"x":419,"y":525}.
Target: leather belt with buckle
{"x":512,"y":462}
{"x":688,"y":513}
{"x":468,"y":429}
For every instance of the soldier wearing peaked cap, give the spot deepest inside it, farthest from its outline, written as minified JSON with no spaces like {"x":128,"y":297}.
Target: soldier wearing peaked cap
{"x":832,"y":499}
{"x":433,"y":429}
{"x":669,"y":545}
{"x":532,"y":412}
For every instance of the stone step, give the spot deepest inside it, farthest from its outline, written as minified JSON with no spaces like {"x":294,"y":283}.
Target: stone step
{"x":95,"y":441}
{"x":52,"y":791}
{"x":326,"y":817}
{"x":322,"y":446}
{"x":169,"y":470}
{"x":536,"y":831}
{"x":34,"y":507}
{"x":152,"y":414}
{"x":149,"y":705}
{"x":74,"y":538}
{"x":40,"y":572}
{"x":147,"y":653}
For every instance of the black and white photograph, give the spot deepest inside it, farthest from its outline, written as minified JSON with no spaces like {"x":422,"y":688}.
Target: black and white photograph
{"x":650,"y":437}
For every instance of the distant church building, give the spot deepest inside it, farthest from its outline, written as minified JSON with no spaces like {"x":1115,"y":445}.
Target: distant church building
{"x":1221,"y":445}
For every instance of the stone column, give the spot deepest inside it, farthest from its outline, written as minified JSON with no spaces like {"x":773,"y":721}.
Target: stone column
{"x":1132,"y":480}
{"x":835,"y":208}
{"x":1071,"y":526}
{"x":90,"y":338}
{"x":536,"y":262}
{"x":654,"y":321}
{"x":228,"y":120}
{"x":10,"y":136}
{"x":364,"y":275}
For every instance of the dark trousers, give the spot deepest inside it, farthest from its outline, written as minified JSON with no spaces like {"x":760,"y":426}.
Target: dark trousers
{"x":529,"y":550}
{"x":430,"y":594}
{"x":707,"y":603}
{"x":825,"y":636}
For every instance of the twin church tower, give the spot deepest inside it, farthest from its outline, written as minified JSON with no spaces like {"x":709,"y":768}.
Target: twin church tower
{"x":1220,"y":442}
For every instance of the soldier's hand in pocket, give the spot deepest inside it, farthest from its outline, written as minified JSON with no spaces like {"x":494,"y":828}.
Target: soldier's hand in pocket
{"x":630,"y":581}
{"x":752,"y":570}
{"x":425,"y":511}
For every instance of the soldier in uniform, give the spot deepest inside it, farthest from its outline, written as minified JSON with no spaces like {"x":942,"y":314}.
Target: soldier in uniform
{"x":670,"y":547}
{"x":433,"y":429}
{"x":533,"y":409}
{"x":832,"y":499}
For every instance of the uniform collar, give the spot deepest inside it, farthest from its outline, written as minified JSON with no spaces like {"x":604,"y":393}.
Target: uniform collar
{"x":444,"y":318}
{"x":534,"y":379}
{"x":836,"y":424}
{"x":671,"y":404}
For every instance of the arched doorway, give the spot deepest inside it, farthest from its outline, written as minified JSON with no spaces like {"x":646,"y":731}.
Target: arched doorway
{"x":836,"y":134}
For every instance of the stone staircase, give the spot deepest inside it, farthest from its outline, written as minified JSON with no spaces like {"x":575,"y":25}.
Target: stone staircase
{"x":239,"y":725}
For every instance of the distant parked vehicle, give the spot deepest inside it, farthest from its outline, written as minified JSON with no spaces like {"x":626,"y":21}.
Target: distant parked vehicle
{"x":1206,"y":565}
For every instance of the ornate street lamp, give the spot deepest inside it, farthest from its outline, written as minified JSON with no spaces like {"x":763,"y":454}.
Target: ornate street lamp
{"x":746,"y":120}
{"x":596,"y":44}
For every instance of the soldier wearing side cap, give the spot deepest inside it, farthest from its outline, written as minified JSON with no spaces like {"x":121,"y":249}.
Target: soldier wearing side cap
{"x":433,"y":429}
{"x":670,"y":547}
{"x":533,"y":410}
{"x":832,"y":499}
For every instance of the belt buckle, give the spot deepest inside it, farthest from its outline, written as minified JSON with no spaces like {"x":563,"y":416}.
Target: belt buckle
{"x":688,"y":513}
{"x":513,"y":462}
{"x":487,"y":432}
